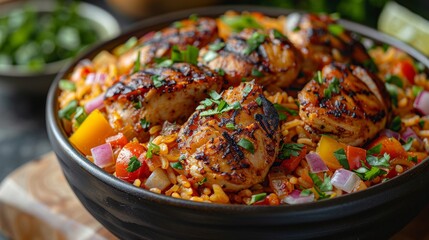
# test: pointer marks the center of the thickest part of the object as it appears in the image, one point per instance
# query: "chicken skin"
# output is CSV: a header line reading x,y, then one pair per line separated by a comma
x,y
270,58
155,95
153,45
346,103
234,141
322,40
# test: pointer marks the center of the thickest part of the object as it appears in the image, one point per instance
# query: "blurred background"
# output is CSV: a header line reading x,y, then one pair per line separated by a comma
x,y
38,37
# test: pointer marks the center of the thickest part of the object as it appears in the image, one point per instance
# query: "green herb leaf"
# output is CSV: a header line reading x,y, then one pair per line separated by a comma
x,y
177,24
323,186
395,80
305,192
335,29
253,42
239,22
422,123
137,63
258,100
209,56
277,34
133,164
408,144
396,124
67,85
383,161
193,17
230,126
247,89
246,144
214,95
385,47
152,149
290,149
369,174
221,72
413,159
416,90
144,123
281,108
202,181
158,81
217,46
130,43
257,197
257,73
190,55
166,63
374,150
137,104
68,110
340,155
177,165
419,66
333,87
80,115
393,92
282,116
318,77
370,65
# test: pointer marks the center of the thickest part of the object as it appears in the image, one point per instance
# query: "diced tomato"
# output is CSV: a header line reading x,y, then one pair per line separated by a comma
x,y
292,163
117,141
420,155
407,70
354,156
390,146
130,150
392,173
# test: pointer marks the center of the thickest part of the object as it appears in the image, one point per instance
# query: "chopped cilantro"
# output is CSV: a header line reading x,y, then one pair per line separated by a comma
x,y
374,150
258,100
246,144
416,90
137,104
306,192
422,123
369,174
166,63
340,155
408,144
393,92
385,47
67,85
193,17
413,159
152,148
130,43
396,124
68,110
221,72
257,73
214,95
80,115
247,89
177,24
333,87
419,66
239,22
202,181
322,186
133,164
137,63
158,81
382,161
395,80
230,126
177,165
144,123
370,65
217,46
209,56
277,34
288,150
335,29
257,197
253,42
318,77
190,55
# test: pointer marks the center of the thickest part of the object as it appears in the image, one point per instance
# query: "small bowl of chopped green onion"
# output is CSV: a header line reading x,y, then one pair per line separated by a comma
x,y
37,38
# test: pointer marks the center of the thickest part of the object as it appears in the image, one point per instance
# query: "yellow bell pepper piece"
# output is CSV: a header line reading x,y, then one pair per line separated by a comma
x,y
326,148
92,132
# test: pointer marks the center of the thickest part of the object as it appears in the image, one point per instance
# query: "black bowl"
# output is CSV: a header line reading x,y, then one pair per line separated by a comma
x,y
134,213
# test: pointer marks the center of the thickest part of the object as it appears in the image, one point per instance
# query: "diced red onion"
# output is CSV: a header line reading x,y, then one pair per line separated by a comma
x,y
95,103
316,163
158,179
295,198
345,180
93,78
390,134
103,155
422,103
409,133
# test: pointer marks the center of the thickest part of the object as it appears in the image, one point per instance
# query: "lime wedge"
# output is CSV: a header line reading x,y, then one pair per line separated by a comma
x,y
405,25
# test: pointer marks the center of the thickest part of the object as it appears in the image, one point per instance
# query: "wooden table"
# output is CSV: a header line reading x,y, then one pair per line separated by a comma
x,y
37,203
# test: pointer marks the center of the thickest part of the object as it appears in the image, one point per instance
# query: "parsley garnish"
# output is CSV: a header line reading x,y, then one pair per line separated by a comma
x,y
177,165
382,161
144,123
202,181
369,174
253,42
396,124
247,89
222,106
277,34
416,90
217,46
68,110
190,55
258,100
133,164
67,85
209,56
221,72
322,186
340,155
214,95
281,111
395,80
158,81
318,77
334,87
370,65
130,43
152,149
257,197
421,123
230,126
393,92
374,150
408,144
137,104
239,22
137,63
290,149
412,159
335,29
257,73
246,144
80,115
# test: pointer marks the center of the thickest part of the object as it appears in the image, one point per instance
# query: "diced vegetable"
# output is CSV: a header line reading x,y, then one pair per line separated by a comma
x,y
91,133
419,155
294,159
354,156
422,103
390,134
315,163
296,198
326,148
125,168
390,146
345,180
407,70
117,141
158,179
257,197
95,103
103,155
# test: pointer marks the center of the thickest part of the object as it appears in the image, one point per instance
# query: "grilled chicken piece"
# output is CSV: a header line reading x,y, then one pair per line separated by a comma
x,y
269,59
322,40
351,105
213,145
158,44
157,95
